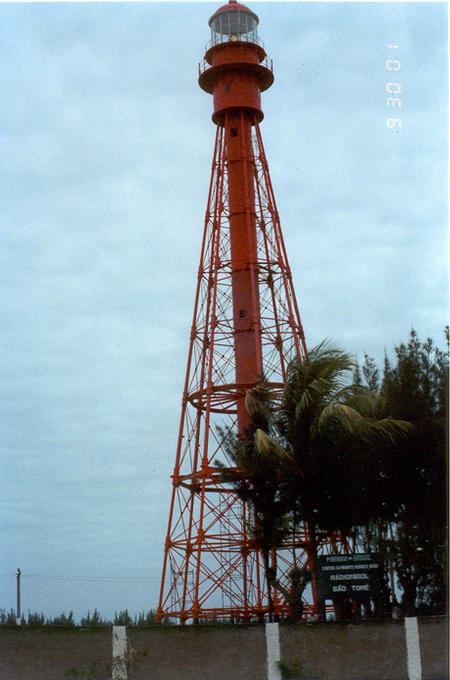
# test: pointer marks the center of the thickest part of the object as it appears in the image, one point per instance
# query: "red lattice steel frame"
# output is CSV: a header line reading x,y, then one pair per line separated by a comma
x,y
246,323
209,556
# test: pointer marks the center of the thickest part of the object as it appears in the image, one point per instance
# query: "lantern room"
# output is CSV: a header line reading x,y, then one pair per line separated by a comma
x,y
234,22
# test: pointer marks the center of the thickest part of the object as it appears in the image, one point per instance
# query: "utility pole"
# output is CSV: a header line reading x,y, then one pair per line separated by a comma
x,y
18,598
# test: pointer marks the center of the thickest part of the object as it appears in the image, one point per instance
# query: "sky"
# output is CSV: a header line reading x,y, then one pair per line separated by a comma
x,y
106,147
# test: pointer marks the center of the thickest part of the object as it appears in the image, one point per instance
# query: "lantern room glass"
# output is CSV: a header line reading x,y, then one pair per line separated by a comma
x,y
234,25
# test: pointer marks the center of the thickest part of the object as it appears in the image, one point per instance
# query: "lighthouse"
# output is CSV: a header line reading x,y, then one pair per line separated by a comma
x,y
246,325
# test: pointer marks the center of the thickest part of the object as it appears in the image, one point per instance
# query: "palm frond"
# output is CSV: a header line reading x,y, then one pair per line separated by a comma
x,y
359,398
341,416
258,403
320,373
267,446
330,360
389,429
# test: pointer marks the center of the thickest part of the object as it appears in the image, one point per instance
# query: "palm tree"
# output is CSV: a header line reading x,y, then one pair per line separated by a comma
x,y
334,443
256,476
319,457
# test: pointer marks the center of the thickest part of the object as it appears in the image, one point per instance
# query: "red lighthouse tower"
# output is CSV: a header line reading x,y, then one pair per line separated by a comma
x,y
245,324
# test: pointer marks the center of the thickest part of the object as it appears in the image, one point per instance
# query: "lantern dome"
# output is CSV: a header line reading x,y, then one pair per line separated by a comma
x,y
233,22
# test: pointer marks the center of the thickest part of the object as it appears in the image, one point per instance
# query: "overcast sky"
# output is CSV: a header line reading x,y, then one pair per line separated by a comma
x,y
106,148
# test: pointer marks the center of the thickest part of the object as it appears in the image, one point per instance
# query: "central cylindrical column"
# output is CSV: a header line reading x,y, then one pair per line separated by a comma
x,y
235,71
244,254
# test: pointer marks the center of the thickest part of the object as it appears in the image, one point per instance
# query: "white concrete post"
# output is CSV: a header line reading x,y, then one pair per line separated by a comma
x,y
273,651
413,648
119,653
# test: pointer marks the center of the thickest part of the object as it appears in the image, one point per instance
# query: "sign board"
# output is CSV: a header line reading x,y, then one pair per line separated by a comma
x,y
357,576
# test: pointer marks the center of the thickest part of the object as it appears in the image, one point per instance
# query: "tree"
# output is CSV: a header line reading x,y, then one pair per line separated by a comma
x,y
256,476
336,447
371,374
322,457
415,387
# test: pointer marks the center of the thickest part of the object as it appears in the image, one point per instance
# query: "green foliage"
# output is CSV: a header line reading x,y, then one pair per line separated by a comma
x,y
371,374
413,540
339,447
256,476
122,618
357,380
353,458
145,618
36,619
321,457
94,621
415,387
7,618
62,620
